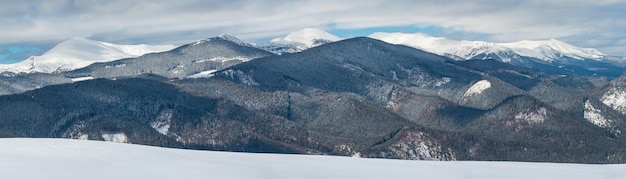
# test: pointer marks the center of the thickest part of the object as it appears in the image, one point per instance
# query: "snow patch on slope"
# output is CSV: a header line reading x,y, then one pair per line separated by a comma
x,y
178,69
347,149
442,81
534,117
243,77
82,78
478,88
616,99
522,120
594,116
420,146
115,66
118,137
222,59
163,122
76,132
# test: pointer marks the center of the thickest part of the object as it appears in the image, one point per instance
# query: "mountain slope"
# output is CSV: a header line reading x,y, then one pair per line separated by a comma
x,y
487,99
80,52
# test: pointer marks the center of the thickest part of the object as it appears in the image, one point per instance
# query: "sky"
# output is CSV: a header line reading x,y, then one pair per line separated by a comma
x,y
30,27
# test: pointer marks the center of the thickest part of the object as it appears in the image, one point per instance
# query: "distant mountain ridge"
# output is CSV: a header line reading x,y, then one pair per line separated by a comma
x,y
554,55
547,50
547,55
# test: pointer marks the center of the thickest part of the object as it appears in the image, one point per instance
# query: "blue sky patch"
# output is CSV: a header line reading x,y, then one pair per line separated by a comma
x,y
11,53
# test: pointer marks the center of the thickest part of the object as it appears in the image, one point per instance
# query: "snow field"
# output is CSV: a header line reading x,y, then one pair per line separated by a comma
x,y
65,158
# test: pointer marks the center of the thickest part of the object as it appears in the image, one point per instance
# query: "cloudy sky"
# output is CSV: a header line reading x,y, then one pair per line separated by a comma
x,y
32,26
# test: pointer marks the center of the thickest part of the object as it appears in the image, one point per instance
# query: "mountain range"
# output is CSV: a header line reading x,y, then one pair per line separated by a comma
x,y
549,55
354,97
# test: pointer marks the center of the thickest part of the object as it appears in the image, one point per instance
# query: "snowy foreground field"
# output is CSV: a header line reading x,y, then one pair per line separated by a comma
x,y
61,158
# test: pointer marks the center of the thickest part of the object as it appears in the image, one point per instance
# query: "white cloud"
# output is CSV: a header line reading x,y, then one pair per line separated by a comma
x,y
186,20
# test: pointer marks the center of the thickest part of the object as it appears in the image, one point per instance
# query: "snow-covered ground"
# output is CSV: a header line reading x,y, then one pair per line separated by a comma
x,y
65,158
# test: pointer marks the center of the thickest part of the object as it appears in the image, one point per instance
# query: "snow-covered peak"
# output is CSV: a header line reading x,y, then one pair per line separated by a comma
x,y
308,36
226,37
80,52
299,41
232,38
86,48
551,49
418,40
